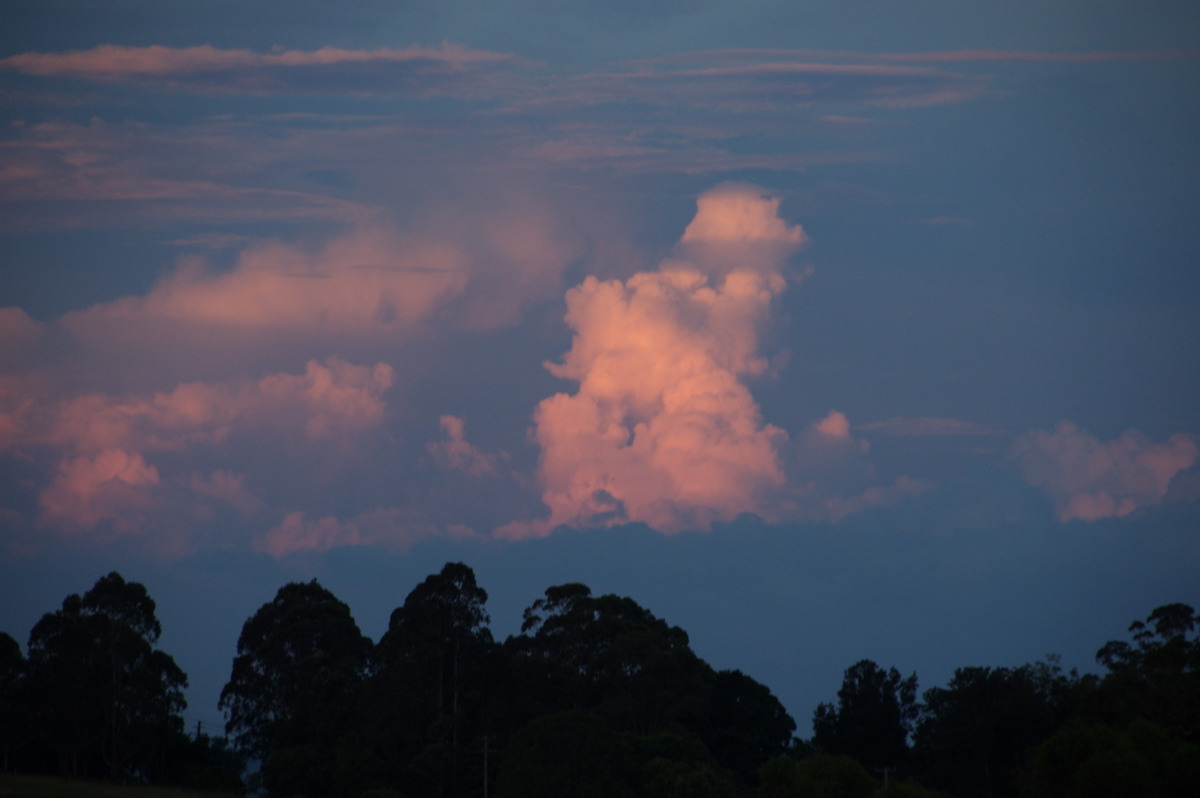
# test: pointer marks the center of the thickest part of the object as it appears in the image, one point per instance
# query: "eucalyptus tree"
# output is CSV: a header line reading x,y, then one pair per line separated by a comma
x,y
434,668
100,683
294,694
873,717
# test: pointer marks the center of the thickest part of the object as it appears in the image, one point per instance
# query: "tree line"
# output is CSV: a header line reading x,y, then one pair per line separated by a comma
x,y
595,696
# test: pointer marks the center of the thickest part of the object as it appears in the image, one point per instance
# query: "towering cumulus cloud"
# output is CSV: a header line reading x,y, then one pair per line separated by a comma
x,y
662,430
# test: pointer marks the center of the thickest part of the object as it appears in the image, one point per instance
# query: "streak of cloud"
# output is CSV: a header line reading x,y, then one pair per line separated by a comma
x,y
207,68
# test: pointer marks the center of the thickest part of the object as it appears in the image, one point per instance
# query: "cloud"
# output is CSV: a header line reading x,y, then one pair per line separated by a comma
x,y
456,453
1089,479
298,533
748,80
1036,55
329,399
662,429
476,270
390,527
104,477
834,425
114,485
329,69
364,280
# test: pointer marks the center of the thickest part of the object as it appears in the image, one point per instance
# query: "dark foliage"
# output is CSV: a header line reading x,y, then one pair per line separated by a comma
x,y
595,696
96,696
976,735
293,697
873,717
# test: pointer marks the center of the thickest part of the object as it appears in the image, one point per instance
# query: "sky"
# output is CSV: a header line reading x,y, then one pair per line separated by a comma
x,y
824,330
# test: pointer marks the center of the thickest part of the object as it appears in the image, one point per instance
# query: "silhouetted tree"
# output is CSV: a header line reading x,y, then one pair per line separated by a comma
x,y
12,674
873,717
99,683
430,686
746,724
609,655
293,695
976,735
1157,676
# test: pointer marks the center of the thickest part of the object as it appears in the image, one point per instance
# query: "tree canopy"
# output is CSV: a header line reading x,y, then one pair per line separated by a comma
x,y
595,695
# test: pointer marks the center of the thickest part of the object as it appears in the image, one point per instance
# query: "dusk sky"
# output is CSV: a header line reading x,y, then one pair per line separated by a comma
x,y
824,330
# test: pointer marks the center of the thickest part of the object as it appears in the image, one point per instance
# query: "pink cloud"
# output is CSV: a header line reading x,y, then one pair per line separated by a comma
x,y
328,399
104,476
391,527
834,425
662,430
367,280
372,283
457,453
298,533
1090,479
114,485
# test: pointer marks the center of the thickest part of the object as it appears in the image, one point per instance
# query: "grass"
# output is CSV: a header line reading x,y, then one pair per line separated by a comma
x,y
50,787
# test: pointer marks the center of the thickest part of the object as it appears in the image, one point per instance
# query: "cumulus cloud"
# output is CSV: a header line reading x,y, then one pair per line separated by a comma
x,y
329,398
663,429
1090,479
114,485
104,476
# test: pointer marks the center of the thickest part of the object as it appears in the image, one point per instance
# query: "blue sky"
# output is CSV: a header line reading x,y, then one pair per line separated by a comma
x,y
824,330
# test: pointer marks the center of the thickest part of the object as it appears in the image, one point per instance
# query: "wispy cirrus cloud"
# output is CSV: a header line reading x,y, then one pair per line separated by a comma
x,y
753,80
951,56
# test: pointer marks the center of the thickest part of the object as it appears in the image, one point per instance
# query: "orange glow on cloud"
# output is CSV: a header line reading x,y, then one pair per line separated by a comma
x,y
662,430
113,485
104,476
1090,479
365,280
